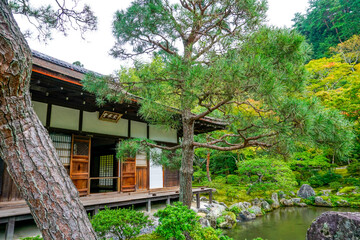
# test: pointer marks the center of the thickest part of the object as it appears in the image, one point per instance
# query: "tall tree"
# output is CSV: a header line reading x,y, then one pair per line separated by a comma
x,y
25,145
327,23
214,58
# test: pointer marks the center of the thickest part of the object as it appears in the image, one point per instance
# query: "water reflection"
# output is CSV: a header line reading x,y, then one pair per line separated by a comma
x,y
281,224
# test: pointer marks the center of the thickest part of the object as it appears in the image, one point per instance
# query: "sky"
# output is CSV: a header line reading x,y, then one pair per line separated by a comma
x,y
93,51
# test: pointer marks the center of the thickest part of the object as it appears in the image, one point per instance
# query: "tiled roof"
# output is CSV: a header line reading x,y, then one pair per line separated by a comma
x,y
62,63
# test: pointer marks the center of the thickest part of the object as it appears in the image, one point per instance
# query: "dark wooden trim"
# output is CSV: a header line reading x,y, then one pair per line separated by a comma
x,y
48,115
81,120
147,131
129,128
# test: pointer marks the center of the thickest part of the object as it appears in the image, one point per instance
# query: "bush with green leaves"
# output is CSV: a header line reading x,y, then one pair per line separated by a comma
x,y
123,223
176,221
354,169
319,180
267,174
233,179
208,233
200,176
335,185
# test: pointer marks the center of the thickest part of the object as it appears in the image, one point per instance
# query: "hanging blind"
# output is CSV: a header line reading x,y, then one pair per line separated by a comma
x,y
141,160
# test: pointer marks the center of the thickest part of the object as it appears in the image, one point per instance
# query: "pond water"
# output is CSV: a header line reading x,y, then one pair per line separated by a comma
x,y
282,224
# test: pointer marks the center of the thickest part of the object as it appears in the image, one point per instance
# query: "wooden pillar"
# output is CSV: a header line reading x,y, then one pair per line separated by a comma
x,y
96,210
168,201
148,206
198,200
210,196
10,226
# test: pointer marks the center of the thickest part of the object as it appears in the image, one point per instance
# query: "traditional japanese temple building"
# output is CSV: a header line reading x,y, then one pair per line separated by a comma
x,y
85,135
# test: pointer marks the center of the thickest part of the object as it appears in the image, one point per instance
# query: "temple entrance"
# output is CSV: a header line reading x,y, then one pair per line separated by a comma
x,y
104,171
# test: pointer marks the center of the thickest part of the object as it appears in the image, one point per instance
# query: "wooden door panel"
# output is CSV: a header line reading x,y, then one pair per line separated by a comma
x,y
128,173
142,178
80,163
171,178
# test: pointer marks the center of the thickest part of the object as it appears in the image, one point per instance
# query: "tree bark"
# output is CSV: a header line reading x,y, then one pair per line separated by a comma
x,y
186,170
208,166
26,147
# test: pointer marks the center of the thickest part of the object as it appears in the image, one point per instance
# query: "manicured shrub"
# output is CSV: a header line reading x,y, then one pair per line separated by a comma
x,y
316,181
123,223
233,179
176,221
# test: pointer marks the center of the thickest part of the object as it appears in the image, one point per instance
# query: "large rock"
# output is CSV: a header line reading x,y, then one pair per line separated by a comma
x,y
204,222
296,200
275,199
286,202
266,206
319,201
228,220
335,226
241,205
256,202
256,210
306,191
215,211
246,216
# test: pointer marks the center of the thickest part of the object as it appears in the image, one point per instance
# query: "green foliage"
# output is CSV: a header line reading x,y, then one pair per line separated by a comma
x,y
123,223
38,237
267,174
327,23
348,189
208,233
354,169
235,209
176,221
352,181
200,176
233,179
335,185
319,179
151,236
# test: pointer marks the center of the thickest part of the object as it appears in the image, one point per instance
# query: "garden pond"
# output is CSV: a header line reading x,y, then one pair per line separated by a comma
x,y
281,224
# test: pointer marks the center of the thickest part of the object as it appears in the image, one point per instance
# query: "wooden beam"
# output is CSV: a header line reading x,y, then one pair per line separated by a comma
x,y
129,128
148,206
197,200
10,227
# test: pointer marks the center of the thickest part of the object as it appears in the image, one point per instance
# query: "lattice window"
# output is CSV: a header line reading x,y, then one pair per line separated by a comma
x,y
62,144
81,148
106,170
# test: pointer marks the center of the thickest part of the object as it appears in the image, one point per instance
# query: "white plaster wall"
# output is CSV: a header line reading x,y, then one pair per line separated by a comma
x,y
66,118
91,123
41,110
138,129
161,133
156,173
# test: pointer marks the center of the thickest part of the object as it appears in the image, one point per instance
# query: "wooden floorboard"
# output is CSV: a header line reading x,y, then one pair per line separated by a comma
x,y
18,208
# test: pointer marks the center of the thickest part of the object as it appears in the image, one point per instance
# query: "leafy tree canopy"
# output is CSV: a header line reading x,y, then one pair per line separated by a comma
x,y
327,23
215,58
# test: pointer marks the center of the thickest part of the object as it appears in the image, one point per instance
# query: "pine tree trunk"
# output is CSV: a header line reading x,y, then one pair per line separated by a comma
x,y
208,166
26,148
186,170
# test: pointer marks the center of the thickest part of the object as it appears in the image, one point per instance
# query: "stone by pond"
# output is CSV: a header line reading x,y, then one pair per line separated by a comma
x,y
289,223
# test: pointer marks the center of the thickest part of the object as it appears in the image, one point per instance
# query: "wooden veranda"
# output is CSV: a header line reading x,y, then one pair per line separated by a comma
x,y
15,211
